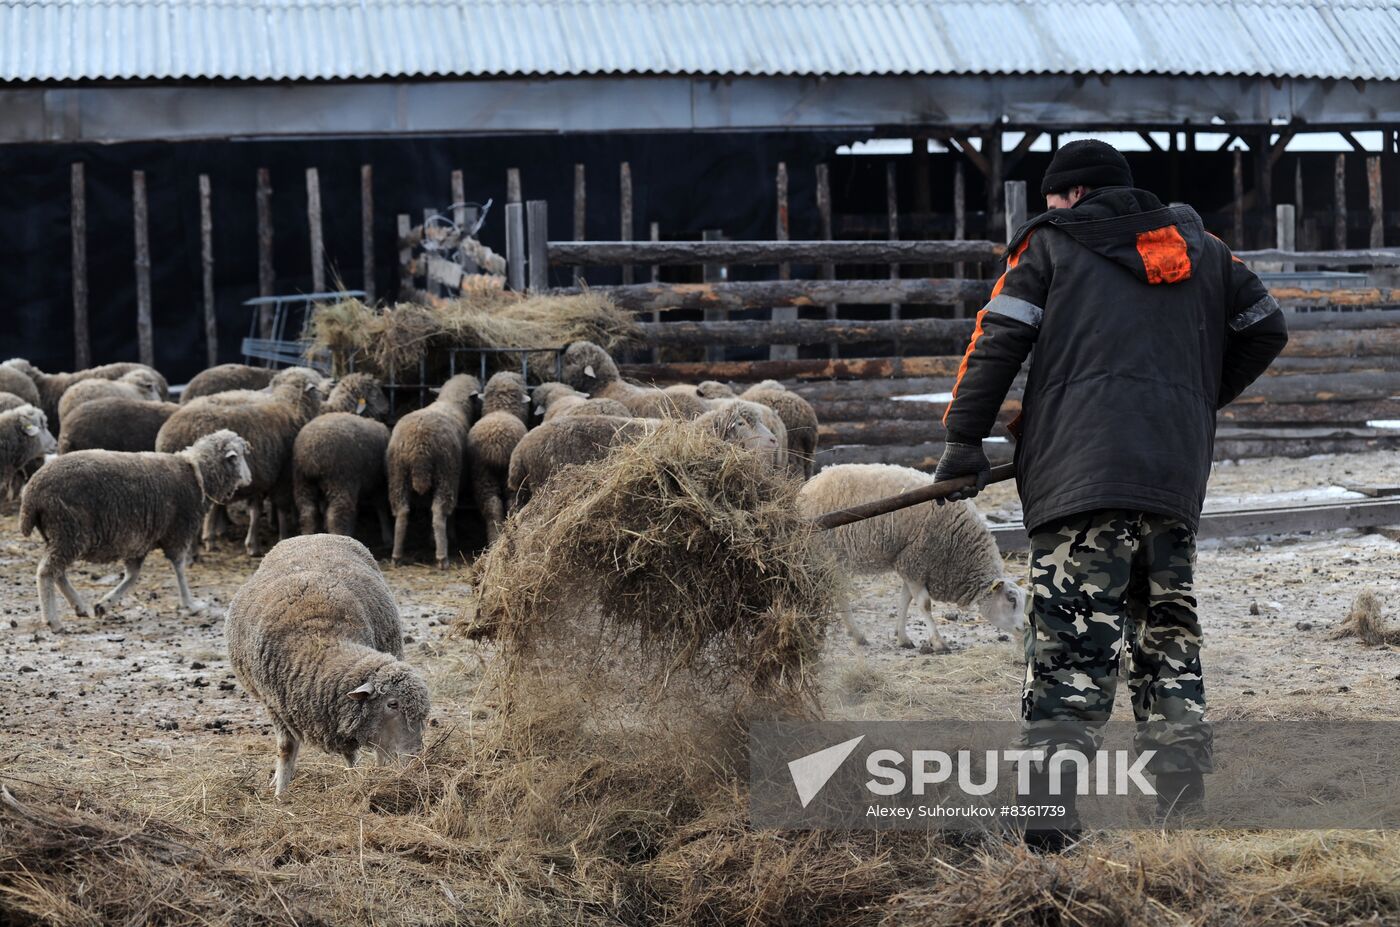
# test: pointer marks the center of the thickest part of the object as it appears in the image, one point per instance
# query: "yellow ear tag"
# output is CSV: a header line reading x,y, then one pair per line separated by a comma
x,y
360,407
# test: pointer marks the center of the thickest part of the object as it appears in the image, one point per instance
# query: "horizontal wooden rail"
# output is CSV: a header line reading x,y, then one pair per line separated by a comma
x,y
607,253
1385,257
659,297
954,332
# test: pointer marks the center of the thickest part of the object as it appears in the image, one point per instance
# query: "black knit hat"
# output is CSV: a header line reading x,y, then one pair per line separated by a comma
x,y
1089,162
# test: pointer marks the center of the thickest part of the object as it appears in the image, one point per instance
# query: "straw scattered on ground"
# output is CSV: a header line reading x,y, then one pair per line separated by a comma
x,y
1366,621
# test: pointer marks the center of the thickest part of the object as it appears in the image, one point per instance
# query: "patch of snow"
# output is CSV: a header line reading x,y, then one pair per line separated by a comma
x,y
1384,423
1290,497
924,397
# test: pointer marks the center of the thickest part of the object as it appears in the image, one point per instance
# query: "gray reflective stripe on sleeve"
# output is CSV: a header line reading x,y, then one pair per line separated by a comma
x,y
1018,309
1255,313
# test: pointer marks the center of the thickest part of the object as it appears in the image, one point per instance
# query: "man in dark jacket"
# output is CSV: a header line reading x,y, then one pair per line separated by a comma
x,y
1143,325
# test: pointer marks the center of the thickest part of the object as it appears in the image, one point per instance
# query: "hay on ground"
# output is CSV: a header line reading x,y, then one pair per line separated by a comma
x,y
395,340
1367,622
681,549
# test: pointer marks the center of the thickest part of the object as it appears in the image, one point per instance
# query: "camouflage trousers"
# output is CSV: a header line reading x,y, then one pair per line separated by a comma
x,y
1111,593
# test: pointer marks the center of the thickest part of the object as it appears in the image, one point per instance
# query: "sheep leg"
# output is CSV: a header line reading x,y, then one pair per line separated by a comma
x,y
60,575
493,514
250,543
400,534
850,623
307,509
130,573
442,511
213,523
350,756
288,746
187,601
935,639
340,514
48,596
906,595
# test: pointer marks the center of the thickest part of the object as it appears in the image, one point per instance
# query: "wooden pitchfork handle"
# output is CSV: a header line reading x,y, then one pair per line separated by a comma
x,y
902,501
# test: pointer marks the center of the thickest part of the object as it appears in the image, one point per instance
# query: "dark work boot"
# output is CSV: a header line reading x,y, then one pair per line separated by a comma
x,y
1050,832
1179,795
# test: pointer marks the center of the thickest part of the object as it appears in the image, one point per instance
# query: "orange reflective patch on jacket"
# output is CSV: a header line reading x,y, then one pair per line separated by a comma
x,y
1163,253
1011,262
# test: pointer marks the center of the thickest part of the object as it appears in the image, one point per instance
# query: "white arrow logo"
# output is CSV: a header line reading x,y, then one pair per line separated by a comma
x,y
812,772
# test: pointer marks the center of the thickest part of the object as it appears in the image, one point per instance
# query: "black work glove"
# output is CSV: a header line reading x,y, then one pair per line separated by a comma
x,y
963,460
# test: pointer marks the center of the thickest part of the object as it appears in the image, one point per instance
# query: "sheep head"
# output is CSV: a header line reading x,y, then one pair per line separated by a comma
x,y
387,711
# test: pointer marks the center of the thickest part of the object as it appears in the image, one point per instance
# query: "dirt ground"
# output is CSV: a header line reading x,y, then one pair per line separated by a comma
x,y
150,688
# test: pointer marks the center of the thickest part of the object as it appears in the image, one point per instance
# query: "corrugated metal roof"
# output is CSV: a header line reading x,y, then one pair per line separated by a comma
x,y
365,39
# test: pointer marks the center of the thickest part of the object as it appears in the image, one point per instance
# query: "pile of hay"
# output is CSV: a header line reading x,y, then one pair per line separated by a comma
x,y
681,550
1366,621
395,340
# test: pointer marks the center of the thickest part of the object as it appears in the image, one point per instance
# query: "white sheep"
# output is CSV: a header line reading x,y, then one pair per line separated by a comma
x,y
315,636
102,506
942,553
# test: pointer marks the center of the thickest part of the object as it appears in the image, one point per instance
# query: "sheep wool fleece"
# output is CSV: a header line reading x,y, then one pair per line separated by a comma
x,y
1099,580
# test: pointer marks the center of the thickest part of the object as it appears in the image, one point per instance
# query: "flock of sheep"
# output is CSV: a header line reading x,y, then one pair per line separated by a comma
x,y
315,633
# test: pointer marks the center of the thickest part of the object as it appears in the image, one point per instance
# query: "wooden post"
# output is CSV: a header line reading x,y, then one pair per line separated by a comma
x,y
991,151
625,226
515,246
512,185
1238,205
1286,231
959,226
145,338
713,273
267,282
1015,207
1373,187
781,233
367,231
313,222
82,341
580,214
1339,200
892,227
537,233
459,201
824,214
430,286
405,227
206,258
655,234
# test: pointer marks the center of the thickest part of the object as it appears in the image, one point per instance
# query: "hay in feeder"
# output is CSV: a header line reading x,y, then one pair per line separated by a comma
x,y
396,340
679,560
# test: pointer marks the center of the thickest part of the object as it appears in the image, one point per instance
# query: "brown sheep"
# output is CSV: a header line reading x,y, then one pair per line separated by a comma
x,y
800,419
338,457
17,382
426,453
588,368
270,423
115,424
51,386
505,405
226,377
138,384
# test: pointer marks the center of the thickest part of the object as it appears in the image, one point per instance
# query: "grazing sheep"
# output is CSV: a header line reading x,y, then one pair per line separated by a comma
x,y
360,394
588,368
269,422
770,419
138,384
104,505
555,399
302,375
51,386
577,439
713,389
115,424
24,438
315,636
505,406
941,552
338,457
17,382
800,419
227,377
426,454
